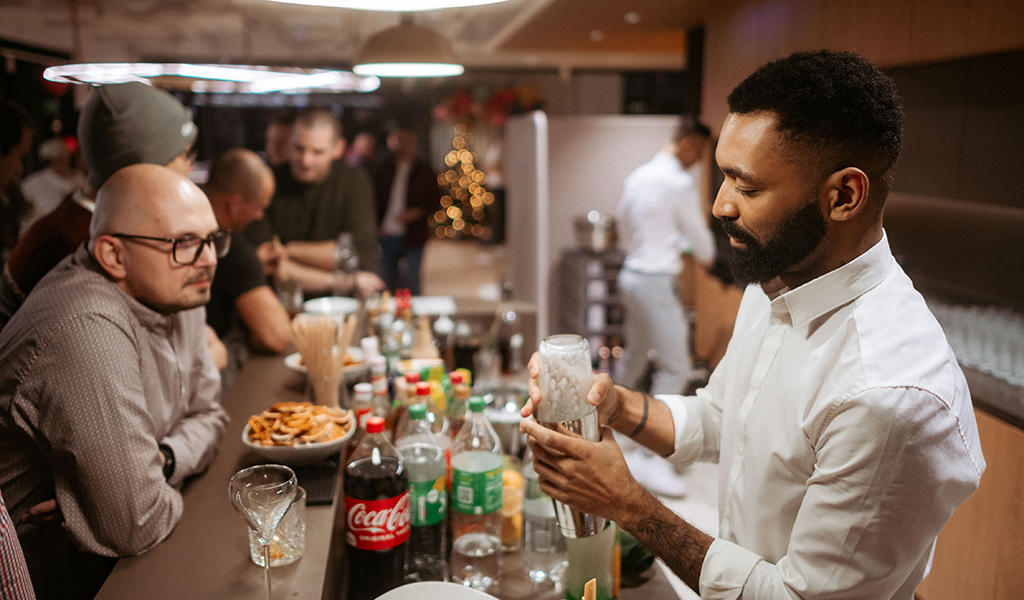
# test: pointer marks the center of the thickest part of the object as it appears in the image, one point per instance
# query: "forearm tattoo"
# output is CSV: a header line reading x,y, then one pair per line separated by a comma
x,y
679,544
643,420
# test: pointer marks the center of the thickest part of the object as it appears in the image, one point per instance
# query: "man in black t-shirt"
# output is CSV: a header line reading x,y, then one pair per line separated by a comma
x,y
240,189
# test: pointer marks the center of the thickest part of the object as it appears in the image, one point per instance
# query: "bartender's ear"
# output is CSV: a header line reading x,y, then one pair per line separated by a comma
x,y
108,252
847,193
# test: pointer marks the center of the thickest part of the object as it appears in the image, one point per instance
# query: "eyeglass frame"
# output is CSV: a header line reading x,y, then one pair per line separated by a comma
x,y
210,240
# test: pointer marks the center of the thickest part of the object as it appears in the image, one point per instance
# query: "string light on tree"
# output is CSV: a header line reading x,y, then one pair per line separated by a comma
x,y
466,207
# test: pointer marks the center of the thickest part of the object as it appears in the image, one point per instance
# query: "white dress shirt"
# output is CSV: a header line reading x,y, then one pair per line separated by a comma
x,y
392,223
846,438
659,216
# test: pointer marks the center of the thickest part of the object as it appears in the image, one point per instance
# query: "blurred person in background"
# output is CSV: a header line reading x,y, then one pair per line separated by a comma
x,y
47,187
660,216
318,198
279,138
240,189
407,195
120,125
15,144
109,399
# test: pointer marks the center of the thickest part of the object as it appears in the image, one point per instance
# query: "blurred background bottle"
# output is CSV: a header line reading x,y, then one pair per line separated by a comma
x,y
544,551
428,498
476,500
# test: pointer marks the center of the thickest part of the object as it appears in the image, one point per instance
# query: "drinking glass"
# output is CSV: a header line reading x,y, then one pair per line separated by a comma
x,y
289,538
262,495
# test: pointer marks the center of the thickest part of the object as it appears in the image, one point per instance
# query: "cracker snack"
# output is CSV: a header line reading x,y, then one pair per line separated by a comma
x,y
297,423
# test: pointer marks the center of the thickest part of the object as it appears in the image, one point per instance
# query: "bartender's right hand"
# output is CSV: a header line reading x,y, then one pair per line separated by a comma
x,y
603,393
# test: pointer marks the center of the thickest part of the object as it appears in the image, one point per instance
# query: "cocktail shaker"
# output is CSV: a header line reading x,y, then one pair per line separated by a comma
x,y
565,378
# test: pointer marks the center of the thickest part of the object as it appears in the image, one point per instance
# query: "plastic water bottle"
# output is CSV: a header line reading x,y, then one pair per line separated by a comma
x,y
476,499
544,552
425,463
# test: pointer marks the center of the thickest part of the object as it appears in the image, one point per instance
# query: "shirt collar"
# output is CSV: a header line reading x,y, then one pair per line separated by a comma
x,y
835,288
149,318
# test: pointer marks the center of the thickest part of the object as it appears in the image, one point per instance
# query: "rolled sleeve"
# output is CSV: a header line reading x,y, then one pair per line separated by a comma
x,y
726,569
697,424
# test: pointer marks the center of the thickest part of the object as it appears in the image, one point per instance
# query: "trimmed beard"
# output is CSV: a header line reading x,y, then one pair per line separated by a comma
x,y
793,241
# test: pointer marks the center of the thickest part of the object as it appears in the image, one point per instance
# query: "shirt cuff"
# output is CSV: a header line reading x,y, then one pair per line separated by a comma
x,y
725,571
689,435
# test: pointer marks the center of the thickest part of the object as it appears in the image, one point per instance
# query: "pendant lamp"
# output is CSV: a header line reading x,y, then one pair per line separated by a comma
x,y
407,50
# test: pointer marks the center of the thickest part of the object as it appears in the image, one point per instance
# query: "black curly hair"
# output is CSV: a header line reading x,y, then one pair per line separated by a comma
x,y
836,108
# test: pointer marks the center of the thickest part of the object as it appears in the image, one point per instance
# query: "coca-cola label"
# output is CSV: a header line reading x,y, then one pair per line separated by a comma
x,y
377,524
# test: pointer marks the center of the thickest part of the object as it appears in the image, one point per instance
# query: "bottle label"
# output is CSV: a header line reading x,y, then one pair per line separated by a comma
x,y
476,492
377,524
429,501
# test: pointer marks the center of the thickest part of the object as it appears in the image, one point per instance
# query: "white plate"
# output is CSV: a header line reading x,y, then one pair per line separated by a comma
x,y
434,590
334,305
351,373
297,455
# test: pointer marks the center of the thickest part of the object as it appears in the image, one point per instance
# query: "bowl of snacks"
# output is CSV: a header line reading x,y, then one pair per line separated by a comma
x,y
298,433
355,364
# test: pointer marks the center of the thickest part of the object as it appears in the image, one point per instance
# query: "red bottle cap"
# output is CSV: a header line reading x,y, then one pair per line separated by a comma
x,y
362,410
423,388
375,425
412,377
455,378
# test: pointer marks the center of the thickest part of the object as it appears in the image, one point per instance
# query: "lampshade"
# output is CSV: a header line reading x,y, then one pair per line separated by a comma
x,y
252,79
407,50
393,5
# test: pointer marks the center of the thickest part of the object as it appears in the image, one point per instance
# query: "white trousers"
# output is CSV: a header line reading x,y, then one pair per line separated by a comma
x,y
654,320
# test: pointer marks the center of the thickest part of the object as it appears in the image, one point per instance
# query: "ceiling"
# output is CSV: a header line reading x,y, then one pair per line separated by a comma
x,y
560,34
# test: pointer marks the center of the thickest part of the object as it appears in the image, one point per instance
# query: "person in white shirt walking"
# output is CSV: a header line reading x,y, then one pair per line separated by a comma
x,y
47,187
660,216
839,416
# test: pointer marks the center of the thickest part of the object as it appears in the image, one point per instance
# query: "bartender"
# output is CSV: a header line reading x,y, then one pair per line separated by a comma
x,y
841,421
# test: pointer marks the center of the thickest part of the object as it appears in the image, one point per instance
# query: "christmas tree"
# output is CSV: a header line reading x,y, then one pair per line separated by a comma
x,y
467,206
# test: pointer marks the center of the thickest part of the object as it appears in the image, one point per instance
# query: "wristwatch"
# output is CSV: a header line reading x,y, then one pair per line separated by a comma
x,y
168,461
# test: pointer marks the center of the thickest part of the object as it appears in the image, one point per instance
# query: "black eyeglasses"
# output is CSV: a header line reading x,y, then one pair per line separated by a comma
x,y
187,250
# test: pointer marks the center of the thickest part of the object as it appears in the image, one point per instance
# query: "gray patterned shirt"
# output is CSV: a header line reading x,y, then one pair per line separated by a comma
x,y
91,381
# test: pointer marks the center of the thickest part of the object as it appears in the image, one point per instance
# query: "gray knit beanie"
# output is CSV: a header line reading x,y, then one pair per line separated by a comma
x,y
129,123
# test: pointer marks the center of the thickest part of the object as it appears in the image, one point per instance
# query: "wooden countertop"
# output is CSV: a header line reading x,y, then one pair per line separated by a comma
x,y
207,555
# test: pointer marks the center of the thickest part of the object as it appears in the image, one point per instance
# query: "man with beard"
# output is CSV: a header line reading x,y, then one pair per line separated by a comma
x,y
108,396
840,418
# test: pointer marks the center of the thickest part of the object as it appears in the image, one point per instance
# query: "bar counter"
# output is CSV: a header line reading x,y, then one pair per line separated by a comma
x,y
207,556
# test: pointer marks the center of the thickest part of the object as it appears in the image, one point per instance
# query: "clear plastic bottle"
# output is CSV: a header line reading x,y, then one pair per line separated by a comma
x,y
428,498
456,409
377,510
544,552
476,499
380,404
435,418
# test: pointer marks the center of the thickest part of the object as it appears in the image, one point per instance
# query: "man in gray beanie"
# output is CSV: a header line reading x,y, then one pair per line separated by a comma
x,y
122,124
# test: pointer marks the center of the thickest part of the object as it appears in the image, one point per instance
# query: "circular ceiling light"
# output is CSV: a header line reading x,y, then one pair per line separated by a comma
x,y
393,5
252,79
407,50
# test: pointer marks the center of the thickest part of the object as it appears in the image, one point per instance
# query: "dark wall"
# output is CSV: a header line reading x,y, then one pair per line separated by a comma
x,y
964,129
955,219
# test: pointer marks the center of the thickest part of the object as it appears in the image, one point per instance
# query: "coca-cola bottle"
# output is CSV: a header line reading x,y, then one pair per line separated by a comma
x,y
377,515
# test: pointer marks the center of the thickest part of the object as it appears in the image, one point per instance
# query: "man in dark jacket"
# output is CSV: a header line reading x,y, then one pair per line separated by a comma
x,y
407,194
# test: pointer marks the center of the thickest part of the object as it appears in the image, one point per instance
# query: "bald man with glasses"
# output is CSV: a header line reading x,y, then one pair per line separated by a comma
x,y
108,397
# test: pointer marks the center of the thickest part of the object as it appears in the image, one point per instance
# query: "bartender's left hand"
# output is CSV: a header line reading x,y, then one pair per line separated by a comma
x,y
591,476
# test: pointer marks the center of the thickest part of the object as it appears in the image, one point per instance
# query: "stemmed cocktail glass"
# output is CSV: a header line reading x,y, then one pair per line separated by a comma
x,y
262,494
